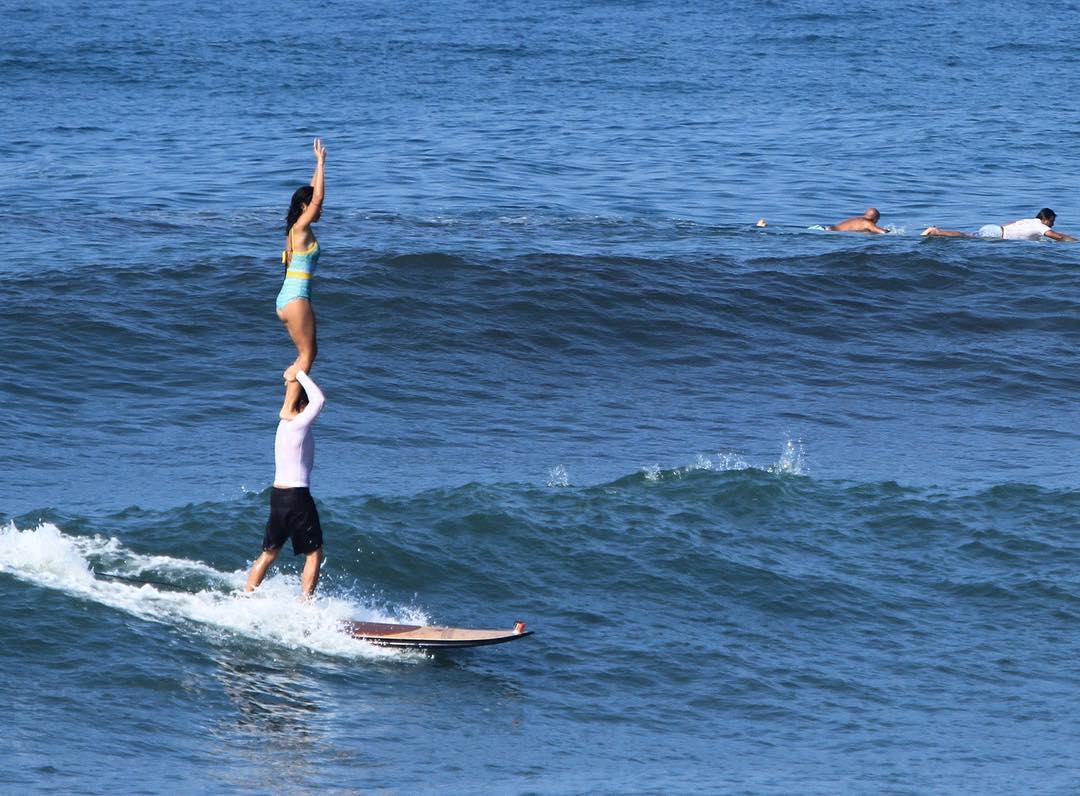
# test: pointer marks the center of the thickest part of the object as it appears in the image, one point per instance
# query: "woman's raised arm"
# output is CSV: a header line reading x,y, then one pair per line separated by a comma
x,y
318,179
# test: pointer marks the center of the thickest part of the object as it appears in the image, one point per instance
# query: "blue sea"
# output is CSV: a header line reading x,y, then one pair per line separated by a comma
x,y
789,511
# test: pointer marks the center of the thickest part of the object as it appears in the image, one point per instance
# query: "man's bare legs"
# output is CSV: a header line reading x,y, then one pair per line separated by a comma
x,y
258,569
310,577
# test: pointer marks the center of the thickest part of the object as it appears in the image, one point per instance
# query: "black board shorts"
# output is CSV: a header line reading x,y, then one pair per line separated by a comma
x,y
293,514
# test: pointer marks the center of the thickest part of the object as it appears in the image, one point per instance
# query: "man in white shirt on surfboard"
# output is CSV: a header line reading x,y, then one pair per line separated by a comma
x,y
1024,229
292,509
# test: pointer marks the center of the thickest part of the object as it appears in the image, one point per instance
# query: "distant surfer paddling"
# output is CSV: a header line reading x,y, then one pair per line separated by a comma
x,y
292,509
1024,229
867,222
301,255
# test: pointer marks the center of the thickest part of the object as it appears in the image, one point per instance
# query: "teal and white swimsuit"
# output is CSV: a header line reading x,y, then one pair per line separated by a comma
x,y
297,284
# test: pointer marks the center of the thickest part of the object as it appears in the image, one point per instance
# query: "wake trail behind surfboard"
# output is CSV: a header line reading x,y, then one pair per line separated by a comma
x,y
203,598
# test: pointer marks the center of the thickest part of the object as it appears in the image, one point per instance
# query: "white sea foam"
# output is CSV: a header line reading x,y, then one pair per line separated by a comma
x,y
722,462
731,461
48,557
558,477
792,462
792,459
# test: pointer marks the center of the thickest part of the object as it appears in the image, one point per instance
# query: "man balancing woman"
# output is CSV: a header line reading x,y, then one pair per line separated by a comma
x,y
292,509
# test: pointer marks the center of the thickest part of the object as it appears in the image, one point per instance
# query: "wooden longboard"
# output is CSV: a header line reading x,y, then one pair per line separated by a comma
x,y
430,637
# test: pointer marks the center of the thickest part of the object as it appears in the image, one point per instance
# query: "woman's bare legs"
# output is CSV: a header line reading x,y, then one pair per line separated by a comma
x,y
299,320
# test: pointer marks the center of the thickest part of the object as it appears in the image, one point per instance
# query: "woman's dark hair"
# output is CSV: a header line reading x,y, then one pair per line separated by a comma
x,y
1047,216
301,196
301,400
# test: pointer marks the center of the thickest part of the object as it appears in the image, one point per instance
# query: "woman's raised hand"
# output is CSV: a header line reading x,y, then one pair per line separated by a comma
x,y
320,150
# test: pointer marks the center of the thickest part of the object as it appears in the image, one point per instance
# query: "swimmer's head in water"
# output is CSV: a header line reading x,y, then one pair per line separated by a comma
x,y
301,198
1047,216
872,215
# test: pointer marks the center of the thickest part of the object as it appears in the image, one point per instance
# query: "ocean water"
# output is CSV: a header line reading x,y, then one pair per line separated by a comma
x,y
788,511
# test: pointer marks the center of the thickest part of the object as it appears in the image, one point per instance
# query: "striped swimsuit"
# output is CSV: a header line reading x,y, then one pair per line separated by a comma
x,y
297,284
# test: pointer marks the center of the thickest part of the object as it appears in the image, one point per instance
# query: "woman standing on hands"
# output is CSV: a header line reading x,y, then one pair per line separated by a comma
x,y
300,257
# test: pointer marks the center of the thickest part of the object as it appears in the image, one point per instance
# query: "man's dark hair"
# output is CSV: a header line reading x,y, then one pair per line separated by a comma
x,y
1047,216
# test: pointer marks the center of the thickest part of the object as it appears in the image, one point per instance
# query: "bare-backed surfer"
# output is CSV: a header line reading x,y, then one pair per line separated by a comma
x,y
1024,229
867,222
292,509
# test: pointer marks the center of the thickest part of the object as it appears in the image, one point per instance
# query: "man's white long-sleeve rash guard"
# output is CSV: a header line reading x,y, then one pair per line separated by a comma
x,y
294,446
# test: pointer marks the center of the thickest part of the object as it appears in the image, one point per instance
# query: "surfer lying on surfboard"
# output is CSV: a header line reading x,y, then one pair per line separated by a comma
x,y
1024,229
867,222
292,509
